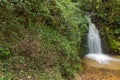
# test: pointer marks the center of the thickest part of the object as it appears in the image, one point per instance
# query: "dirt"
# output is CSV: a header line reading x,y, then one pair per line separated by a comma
x,y
93,73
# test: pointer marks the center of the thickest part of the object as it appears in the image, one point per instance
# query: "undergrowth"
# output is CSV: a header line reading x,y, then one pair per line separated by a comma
x,y
40,35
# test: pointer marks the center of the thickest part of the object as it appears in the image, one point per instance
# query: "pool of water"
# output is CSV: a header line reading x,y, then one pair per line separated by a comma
x,y
112,64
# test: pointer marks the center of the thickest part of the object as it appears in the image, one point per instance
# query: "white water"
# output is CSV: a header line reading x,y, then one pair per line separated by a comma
x,y
94,41
94,44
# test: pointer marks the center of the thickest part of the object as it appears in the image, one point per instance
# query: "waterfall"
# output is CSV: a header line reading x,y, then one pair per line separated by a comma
x,y
94,45
94,41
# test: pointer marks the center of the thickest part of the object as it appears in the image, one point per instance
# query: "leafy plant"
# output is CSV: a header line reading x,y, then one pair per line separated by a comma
x,y
4,51
117,31
3,78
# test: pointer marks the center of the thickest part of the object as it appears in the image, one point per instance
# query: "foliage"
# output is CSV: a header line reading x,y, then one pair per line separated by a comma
x,y
115,45
4,52
46,32
90,5
69,60
3,78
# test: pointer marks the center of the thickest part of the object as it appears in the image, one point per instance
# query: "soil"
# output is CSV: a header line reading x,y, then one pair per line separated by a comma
x,y
94,73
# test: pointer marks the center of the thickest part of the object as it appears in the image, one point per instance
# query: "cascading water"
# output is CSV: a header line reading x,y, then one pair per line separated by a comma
x,y
94,45
94,41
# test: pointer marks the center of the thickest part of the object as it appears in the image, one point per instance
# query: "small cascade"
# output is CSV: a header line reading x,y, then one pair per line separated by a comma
x,y
94,45
94,41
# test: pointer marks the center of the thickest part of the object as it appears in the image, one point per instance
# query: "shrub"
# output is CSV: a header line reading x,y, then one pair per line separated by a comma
x,y
4,51
56,25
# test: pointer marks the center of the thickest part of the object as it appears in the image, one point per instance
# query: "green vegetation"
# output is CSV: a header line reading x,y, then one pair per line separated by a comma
x,y
41,35
4,52
115,45
41,39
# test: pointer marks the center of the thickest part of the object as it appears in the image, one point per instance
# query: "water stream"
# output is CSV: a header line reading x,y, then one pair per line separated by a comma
x,y
94,41
96,55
